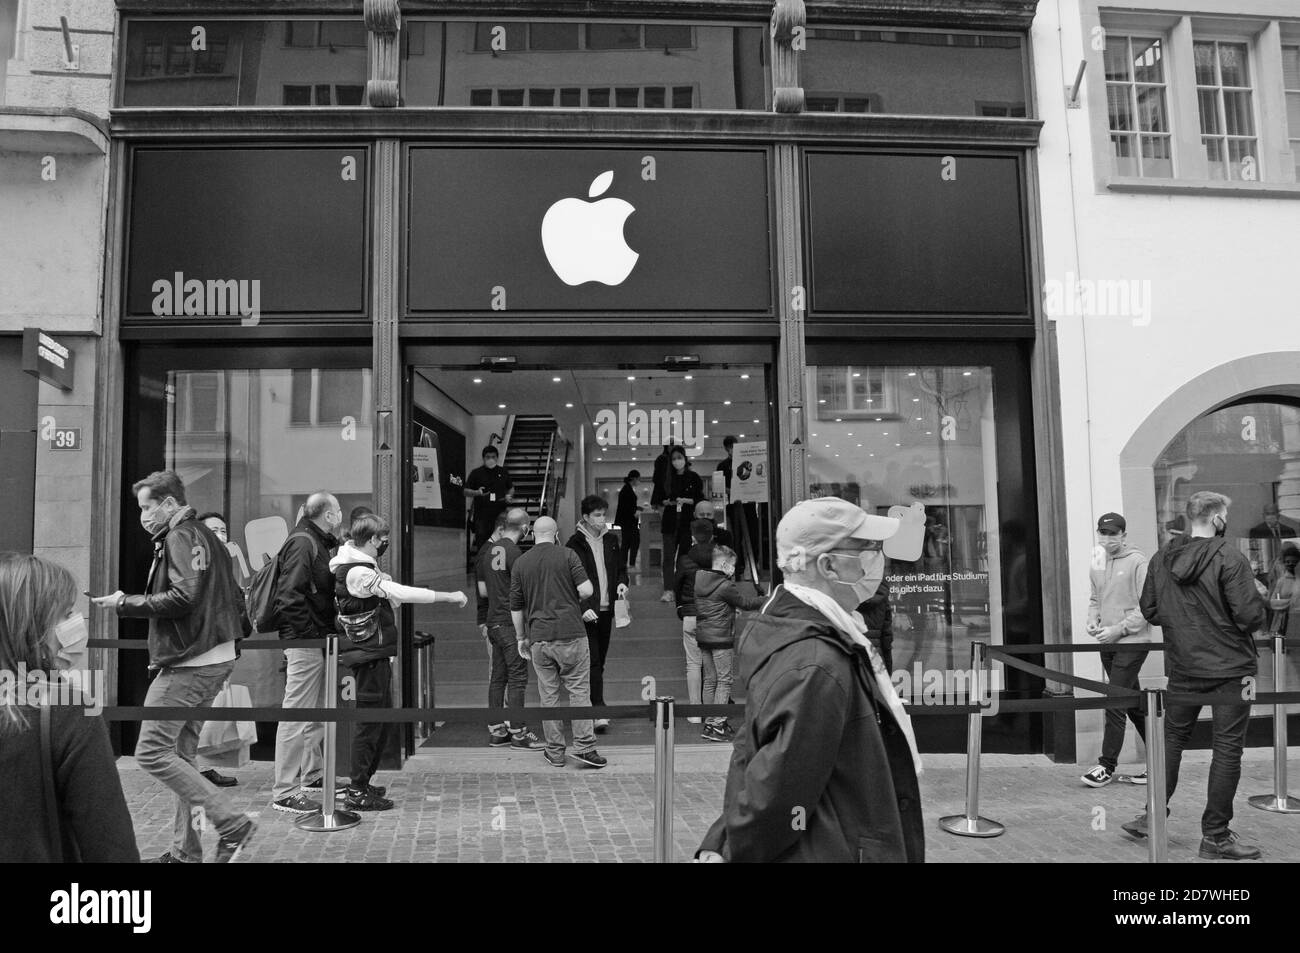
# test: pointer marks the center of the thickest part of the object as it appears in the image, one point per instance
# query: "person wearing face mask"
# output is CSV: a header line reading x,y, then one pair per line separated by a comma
x,y
82,815
366,598
1201,591
1117,576
304,609
603,565
683,488
193,608
826,738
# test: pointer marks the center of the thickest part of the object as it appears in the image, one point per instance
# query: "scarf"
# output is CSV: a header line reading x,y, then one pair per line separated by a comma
x,y
851,624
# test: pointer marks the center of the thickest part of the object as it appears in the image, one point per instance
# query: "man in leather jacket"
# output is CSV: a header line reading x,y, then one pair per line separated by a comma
x,y
193,608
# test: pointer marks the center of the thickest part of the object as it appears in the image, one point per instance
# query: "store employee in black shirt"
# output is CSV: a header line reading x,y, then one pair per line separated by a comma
x,y
489,486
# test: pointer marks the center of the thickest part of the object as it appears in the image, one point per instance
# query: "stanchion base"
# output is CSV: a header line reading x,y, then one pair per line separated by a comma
x,y
1277,805
324,823
964,826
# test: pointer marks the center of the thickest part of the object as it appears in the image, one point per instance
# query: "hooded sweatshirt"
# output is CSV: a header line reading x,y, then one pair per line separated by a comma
x,y
1116,590
1202,592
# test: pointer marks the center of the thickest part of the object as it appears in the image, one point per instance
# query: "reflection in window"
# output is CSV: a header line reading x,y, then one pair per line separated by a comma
x,y
232,437
1248,451
245,63
1139,119
914,72
919,442
324,398
586,65
1291,80
1225,100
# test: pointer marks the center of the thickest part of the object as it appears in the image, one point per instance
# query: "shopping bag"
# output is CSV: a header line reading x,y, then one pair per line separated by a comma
x,y
622,615
220,737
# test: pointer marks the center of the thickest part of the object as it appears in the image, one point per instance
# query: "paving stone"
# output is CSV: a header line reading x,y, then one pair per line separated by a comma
x,y
449,808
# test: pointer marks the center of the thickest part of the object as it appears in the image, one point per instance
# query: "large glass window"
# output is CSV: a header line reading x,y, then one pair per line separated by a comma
x,y
565,430
244,63
624,65
918,442
252,436
1249,451
914,72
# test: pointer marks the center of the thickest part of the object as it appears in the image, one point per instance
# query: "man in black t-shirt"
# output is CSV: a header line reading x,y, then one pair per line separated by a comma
x,y
489,487
509,679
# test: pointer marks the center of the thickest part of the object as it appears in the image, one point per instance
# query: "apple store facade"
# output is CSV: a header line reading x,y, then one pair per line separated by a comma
x,y
353,252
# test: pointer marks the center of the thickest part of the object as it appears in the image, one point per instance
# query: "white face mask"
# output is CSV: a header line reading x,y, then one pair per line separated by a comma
x,y
71,632
872,563
1112,544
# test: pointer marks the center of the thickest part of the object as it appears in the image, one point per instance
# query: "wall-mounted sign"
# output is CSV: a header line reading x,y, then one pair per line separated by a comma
x,y
242,233
46,359
66,438
526,230
916,233
749,473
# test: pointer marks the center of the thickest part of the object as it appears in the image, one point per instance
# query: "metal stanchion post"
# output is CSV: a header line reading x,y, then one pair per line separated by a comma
x,y
1157,819
971,824
1278,802
664,717
330,819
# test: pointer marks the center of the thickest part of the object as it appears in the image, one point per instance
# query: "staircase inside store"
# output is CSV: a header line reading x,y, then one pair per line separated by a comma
x,y
530,459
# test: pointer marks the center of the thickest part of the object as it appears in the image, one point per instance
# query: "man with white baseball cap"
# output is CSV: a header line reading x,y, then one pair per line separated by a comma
x,y
825,767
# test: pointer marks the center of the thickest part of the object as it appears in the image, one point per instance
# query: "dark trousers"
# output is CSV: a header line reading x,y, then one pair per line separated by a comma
x,y
629,546
483,527
509,680
1122,669
369,738
598,644
1229,723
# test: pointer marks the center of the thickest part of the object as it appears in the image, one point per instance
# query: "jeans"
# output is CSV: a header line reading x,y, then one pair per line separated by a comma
x,y
1122,669
629,546
509,681
598,644
299,745
694,664
568,662
717,664
1229,723
369,738
166,750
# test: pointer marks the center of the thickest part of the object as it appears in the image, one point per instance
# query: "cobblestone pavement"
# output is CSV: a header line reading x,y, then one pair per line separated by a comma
x,y
468,805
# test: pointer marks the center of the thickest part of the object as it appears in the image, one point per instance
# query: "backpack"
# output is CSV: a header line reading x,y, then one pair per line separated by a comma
x,y
260,605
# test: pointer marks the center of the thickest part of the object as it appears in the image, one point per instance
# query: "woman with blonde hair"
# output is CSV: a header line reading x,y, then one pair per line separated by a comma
x,y
60,794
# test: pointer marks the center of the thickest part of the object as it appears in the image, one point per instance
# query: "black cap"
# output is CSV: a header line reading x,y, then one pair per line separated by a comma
x,y
1112,521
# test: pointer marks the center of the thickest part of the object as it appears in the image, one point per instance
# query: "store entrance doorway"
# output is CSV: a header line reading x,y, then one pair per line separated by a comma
x,y
566,425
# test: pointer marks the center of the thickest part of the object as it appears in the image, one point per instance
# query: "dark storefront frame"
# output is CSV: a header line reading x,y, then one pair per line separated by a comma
x,y
388,133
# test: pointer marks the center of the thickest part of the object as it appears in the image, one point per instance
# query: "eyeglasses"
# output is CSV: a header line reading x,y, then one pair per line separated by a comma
x,y
868,559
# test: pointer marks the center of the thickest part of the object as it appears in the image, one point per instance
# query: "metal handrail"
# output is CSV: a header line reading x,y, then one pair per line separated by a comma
x,y
546,476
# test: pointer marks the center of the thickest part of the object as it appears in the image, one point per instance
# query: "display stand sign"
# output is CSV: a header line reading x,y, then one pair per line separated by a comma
x,y
749,475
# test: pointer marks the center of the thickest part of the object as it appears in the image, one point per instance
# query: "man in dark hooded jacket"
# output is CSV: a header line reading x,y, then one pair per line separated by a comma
x,y
825,767
1201,591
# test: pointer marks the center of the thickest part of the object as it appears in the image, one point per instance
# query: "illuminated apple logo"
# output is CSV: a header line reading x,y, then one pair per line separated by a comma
x,y
584,240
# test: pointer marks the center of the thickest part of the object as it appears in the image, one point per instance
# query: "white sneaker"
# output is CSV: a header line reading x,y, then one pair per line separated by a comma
x,y
667,597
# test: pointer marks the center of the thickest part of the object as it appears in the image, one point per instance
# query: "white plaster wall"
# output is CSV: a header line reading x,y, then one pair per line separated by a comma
x,y
1221,273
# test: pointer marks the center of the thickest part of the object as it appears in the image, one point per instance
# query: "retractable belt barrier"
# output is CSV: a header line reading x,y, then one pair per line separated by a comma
x,y
664,710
